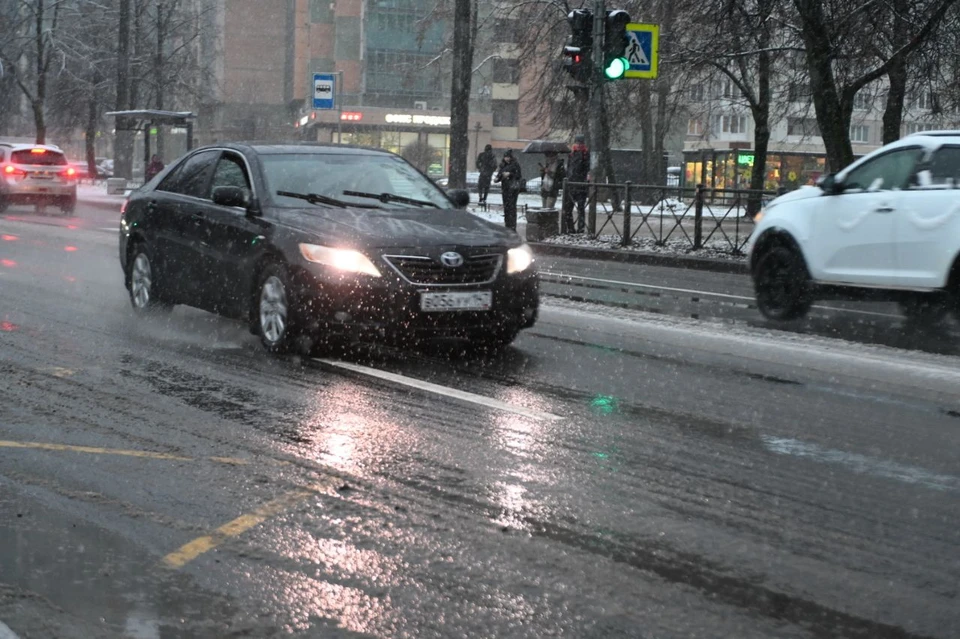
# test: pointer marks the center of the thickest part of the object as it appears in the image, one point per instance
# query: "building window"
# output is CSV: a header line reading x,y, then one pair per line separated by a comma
x,y
320,11
860,133
917,127
806,127
730,123
725,88
797,92
697,92
925,101
862,101
506,71
506,31
695,126
505,112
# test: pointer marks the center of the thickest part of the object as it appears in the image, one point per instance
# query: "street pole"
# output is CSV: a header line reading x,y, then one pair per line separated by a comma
x,y
596,112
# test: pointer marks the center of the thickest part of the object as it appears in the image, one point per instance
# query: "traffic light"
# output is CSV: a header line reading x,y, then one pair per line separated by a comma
x,y
576,55
615,42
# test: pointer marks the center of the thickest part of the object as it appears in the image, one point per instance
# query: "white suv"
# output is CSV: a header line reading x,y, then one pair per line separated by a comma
x,y
887,227
36,174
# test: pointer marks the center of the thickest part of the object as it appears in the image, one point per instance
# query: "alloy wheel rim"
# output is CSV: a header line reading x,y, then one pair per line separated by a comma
x,y
273,309
140,281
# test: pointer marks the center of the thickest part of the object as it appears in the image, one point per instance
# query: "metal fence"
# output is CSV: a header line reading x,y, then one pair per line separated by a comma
x,y
693,218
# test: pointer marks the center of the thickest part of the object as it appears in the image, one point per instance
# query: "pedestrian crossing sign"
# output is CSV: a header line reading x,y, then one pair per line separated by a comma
x,y
643,42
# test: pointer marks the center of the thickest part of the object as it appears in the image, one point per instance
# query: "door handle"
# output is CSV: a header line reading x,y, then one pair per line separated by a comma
x,y
883,209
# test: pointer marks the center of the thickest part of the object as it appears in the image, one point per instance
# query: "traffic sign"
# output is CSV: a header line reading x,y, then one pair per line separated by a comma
x,y
324,91
643,43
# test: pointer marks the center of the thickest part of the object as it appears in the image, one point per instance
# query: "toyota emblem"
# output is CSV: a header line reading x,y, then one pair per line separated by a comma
x,y
451,259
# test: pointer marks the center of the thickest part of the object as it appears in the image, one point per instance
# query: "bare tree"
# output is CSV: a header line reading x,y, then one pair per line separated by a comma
x,y
842,59
29,54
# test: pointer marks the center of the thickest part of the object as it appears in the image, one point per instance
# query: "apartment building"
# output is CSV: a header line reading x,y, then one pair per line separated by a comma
x,y
720,131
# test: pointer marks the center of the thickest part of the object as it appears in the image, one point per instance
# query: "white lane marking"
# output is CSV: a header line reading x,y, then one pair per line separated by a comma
x,y
481,400
112,229
862,464
6,633
689,291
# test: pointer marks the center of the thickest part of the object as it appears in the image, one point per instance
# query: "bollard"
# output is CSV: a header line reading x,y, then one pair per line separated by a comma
x,y
625,240
698,219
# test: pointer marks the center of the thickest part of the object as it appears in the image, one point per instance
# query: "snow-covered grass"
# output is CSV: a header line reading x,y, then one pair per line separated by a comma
x,y
715,248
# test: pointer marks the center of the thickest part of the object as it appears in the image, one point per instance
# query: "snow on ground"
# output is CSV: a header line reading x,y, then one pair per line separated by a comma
x,y
716,248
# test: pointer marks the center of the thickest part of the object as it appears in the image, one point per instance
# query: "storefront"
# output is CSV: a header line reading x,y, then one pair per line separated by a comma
x,y
422,137
733,169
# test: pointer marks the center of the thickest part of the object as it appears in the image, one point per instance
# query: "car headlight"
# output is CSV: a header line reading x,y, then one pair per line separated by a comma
x,y
519,259
759,216
346,260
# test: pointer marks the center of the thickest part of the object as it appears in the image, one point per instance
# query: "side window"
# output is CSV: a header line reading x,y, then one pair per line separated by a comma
x,y
193,176
945,166
885,173
230,171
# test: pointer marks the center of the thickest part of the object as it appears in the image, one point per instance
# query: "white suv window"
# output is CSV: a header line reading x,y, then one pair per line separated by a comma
x,y
945,166
885,173
38,157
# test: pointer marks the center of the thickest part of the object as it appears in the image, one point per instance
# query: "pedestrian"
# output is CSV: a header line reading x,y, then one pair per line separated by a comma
x,y
153,168
486,164
551,179
578,172
511,183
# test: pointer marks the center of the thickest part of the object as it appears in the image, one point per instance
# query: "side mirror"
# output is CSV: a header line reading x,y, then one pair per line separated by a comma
x,y
459,197
829,184
231,196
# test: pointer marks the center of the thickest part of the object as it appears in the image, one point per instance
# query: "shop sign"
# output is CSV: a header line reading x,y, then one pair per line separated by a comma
x,y
428,120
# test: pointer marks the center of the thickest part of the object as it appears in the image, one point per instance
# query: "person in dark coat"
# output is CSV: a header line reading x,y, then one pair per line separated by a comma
x,y
486,164
578,170
551,179
155,166
511,183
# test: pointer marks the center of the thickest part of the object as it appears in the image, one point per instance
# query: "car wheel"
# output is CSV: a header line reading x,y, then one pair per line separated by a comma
x,y
275,310
782,285
4,204
924,309
68,205
142,282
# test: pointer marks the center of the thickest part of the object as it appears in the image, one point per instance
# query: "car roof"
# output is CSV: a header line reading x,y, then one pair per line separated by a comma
x,y
319,148
26,147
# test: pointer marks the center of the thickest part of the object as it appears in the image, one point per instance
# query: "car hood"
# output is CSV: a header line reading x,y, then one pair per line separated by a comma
x,y
803,193
391,228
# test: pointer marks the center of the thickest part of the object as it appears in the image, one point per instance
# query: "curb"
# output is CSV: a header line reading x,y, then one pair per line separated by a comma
x,y
638,257
101,204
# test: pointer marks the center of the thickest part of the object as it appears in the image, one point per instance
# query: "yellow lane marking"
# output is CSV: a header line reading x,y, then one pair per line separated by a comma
x,y
193,549
236,461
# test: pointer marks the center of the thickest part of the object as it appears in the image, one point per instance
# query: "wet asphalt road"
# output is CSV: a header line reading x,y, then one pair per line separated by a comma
x,y
613,474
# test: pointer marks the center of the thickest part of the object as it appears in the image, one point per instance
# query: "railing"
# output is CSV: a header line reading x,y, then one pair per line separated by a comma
x,y
691,218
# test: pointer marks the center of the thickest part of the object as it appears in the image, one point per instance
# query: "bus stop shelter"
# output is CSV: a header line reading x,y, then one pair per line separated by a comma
x,y
144,120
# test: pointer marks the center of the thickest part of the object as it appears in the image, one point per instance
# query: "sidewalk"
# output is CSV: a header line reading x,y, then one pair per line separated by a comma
x,y
96,196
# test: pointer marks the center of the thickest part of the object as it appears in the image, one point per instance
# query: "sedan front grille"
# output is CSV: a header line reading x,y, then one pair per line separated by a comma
x,y
425,271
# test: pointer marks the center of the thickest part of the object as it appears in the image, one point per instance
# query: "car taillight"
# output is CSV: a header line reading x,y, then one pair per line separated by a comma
x,y
70,172
12,171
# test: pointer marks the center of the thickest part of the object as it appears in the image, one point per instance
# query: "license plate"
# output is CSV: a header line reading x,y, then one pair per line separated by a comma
x,y
465,301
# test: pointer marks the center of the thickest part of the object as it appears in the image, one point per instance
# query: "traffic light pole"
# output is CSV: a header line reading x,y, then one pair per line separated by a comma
x,y
596,84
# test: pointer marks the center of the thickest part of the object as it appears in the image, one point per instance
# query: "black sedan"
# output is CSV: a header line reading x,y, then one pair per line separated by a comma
x,y
327,242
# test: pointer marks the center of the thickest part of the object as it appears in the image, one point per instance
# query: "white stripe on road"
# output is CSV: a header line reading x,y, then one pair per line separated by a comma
x,y
112,229
6,633
481,400
689,291
862,464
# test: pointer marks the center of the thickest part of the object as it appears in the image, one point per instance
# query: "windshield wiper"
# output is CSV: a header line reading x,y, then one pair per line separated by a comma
x,y
314,198
390,197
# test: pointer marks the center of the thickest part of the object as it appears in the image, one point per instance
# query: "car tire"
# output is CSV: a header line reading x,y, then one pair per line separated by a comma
x,y
4,204
924,309
275,309
142,283
782,285
68,205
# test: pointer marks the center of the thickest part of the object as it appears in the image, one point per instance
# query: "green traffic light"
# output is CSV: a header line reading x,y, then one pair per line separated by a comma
x,y
616,68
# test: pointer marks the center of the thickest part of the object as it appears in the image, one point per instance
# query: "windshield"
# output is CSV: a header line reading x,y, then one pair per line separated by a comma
x,y
38,157
345,176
